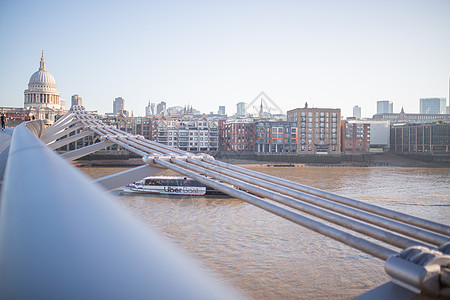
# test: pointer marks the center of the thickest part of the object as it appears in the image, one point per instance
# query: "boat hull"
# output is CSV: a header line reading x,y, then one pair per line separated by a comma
x,y
180,186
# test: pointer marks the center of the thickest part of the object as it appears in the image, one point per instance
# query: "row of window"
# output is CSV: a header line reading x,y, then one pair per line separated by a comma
x,y
193,144
322,114
310,148
277,141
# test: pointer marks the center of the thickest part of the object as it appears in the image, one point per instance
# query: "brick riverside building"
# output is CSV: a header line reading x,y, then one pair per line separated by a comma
x,y
276,136
319,130
355,137
238,135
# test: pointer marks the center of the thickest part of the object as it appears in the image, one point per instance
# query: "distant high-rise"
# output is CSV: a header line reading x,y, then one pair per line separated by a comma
x,y
76,100
148,110
221,110
240,108
432,105
161,108
357,112
385,107
152,108
118,105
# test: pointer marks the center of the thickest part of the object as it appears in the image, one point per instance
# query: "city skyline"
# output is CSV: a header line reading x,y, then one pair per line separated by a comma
x,y
329,54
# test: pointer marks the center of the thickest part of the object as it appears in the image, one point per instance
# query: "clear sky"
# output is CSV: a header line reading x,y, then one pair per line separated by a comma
x,y
333,54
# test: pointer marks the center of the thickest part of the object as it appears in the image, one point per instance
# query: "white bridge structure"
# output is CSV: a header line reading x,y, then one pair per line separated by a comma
x,y
61,236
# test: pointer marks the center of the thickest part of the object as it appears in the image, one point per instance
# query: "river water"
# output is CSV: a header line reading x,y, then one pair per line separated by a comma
x,y
267,257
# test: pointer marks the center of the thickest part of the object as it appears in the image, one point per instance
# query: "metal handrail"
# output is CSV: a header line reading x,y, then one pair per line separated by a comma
x,y
329,231
260,189
61,236
416,221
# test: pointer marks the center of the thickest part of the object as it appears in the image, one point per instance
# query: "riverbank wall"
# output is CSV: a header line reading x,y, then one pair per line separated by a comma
x,y
125,158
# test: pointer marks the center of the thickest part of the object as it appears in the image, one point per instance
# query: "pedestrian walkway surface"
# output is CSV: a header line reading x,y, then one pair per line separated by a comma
x,y
5,140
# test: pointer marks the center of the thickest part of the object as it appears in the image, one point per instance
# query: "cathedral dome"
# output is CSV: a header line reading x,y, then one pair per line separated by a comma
x,y
42,92
42,77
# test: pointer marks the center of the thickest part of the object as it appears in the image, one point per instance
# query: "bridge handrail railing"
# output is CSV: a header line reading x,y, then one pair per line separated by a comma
x,y
62,236
228,178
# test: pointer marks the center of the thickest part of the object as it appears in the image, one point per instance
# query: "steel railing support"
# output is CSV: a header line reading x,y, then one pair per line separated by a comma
x,y
351,211
117,180
62,237
64,122
70,139
78,153
329,231
67,131
243,183
426,224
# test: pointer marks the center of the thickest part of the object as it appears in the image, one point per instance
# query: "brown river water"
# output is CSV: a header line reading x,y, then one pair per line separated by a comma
x,y
267,257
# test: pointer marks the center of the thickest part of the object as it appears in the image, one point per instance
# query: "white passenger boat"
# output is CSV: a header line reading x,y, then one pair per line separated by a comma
x,y
170,185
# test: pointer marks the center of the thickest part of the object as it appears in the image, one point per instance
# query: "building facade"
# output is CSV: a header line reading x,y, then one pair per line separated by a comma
x,y
319,130
76,101
118,105
133,125
403,117
149,110
240,109
238,135
161,108
15,115
357,112
432,105
276,136
355,137
186,133
385,107
421,138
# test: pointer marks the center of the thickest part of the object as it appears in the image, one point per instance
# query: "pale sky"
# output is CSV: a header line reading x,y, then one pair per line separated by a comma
x,y
333,54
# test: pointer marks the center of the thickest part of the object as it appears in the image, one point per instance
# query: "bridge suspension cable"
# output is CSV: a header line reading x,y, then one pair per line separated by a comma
x,y
293,201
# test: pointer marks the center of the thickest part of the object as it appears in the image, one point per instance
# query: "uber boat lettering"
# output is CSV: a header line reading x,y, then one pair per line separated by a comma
x,y
170,185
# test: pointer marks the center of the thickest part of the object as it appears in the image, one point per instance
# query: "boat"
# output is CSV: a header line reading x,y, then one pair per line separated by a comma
x,y
171,185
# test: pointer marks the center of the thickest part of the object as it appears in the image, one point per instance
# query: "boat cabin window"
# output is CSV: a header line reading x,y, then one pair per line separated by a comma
x,y
174,182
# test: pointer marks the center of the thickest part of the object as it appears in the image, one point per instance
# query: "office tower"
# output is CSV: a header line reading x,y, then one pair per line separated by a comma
x,y
240,108
161,108
357,112
221,110
432,105
118,105
152,108
148,110
385,107
76,100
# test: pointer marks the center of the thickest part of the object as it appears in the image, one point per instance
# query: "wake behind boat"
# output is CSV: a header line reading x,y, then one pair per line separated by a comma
x,y
170,185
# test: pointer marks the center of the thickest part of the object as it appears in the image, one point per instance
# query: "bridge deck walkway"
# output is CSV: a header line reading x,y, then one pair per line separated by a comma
x,y
5,141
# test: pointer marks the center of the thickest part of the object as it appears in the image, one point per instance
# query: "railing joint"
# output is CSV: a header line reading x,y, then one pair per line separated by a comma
x,y
421,270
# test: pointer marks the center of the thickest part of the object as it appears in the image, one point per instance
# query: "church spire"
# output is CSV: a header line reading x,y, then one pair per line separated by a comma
x,y
261,111
42,66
